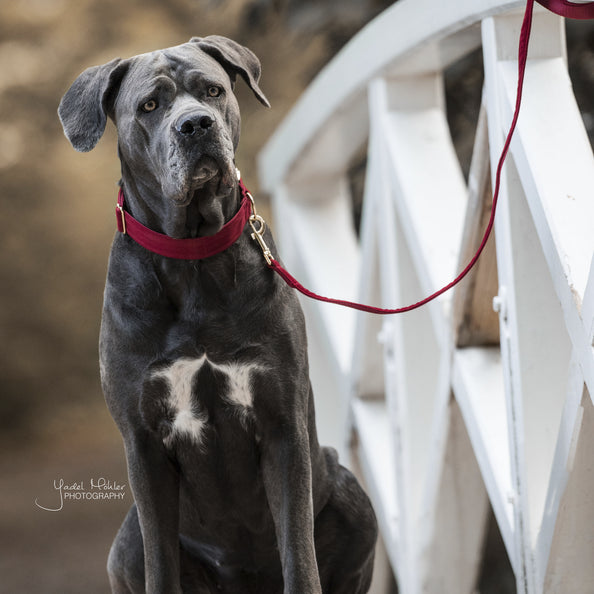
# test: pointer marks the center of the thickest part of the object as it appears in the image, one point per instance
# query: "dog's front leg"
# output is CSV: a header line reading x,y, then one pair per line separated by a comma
x,y
155,485
286,468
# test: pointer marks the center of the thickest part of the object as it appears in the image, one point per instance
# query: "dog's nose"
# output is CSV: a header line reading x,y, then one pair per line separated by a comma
x,y
188,126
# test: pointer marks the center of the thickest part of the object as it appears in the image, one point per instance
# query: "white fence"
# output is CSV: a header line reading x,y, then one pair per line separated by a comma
x,y
450,411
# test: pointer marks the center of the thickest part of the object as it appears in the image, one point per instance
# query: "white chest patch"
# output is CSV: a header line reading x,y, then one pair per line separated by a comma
x,y
240,391
189,420
184,397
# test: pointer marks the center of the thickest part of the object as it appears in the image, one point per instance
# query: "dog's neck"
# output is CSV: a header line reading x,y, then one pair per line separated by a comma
x,y
225,279
210,208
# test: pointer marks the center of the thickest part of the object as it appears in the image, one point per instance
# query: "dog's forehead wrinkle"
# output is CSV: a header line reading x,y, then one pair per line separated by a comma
x,y
142,77
150,66
195,78
186,59
177,69
163,81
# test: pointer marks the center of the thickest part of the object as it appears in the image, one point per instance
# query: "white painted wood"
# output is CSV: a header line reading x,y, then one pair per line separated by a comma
x,y
439,432
573,529
430,193
478,386
327,254
367,364
540,337
376,50
375,453
564,454
459,516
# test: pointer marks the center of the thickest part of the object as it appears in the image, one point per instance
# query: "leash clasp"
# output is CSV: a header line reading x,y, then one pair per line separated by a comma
x,y
258,225
122,218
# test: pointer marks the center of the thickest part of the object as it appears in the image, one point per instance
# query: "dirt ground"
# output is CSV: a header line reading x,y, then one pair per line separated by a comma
x,y
65,551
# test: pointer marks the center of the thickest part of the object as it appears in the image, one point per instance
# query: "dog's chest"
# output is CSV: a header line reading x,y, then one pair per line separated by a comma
x,y
190,398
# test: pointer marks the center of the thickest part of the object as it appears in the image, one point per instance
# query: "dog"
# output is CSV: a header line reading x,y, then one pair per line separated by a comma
x,y
204,361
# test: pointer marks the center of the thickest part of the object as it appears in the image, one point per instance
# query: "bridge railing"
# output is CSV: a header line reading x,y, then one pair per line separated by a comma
x,y
453,410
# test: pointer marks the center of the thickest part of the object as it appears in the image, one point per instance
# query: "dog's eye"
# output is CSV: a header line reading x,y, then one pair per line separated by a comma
x,y
214,91
149,106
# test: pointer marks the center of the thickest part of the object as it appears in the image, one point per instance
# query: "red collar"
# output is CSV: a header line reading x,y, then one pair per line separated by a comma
x,y
185,249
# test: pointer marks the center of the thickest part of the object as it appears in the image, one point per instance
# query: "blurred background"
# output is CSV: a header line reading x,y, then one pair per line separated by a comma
x,y
56,227
57,223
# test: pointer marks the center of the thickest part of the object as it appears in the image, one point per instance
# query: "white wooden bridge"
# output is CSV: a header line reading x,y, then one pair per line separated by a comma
x,y
451,411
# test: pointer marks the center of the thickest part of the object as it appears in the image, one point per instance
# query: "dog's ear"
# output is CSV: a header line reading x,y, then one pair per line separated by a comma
x,y
84,108
236,59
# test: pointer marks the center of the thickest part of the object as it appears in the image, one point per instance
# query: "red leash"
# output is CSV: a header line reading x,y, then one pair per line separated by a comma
x,y
560,7
571,10
204,247
523,53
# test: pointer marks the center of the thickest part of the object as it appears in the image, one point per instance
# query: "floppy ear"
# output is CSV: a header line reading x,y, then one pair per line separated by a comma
x,y
84,108
236,59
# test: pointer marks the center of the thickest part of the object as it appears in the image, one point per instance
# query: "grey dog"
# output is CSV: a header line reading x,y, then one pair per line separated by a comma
x,y
204,362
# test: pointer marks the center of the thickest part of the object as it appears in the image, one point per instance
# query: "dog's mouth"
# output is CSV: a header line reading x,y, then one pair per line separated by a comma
x,y
206,169
199,209
208,172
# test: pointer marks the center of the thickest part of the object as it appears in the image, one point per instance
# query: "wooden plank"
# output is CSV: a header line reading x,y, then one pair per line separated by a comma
x,y
558,177
570,567
325,256
459,516
558,174
477,382
475,322
377,279
562,462
429,189
376,455
531,320
366,374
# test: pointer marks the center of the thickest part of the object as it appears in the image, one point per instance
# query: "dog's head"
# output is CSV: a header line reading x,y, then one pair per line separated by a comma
x,y
176,115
